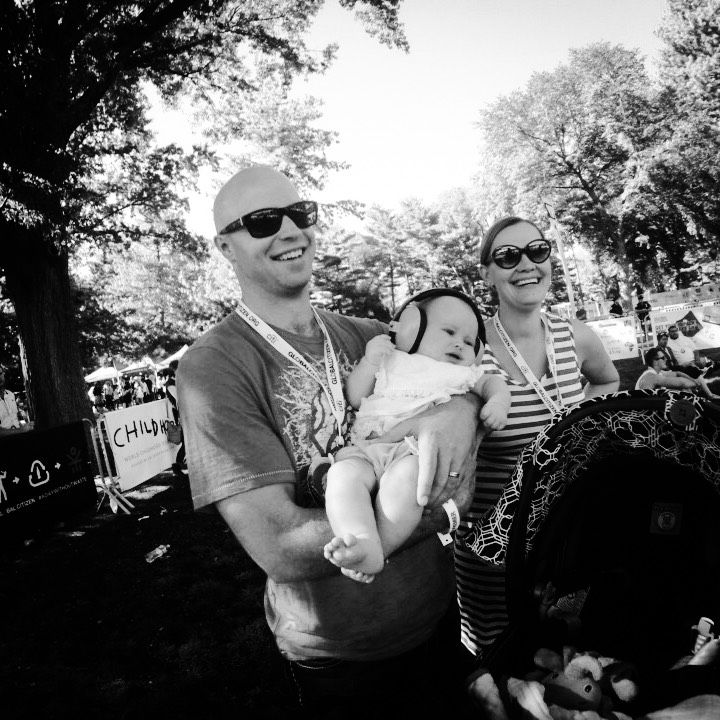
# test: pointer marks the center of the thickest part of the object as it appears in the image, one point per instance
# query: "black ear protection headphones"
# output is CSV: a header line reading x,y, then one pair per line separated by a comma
x,y
408,326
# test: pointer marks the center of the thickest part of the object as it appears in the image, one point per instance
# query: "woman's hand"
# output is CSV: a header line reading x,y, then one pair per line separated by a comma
x,y
447,442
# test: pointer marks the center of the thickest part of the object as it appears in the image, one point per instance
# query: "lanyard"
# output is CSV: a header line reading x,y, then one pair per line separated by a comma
x,y
331,384
525,368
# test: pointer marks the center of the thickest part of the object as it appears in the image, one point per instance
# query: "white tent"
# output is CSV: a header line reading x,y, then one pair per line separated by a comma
x,y
175,356
143,365
101,374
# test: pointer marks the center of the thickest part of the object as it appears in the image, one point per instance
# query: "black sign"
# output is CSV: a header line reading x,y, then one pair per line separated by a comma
x,y
45,476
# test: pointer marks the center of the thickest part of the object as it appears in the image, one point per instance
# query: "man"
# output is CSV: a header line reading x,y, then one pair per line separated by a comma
x,y
684,352
658,375
179,467
642,311
262,408
616,308
9,419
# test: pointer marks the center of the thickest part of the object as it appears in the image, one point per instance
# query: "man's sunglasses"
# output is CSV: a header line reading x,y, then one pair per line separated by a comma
x,y
508,256
267,221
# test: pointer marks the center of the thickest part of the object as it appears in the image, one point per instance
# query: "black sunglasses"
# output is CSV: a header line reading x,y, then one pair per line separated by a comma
x,y
267,221
508,256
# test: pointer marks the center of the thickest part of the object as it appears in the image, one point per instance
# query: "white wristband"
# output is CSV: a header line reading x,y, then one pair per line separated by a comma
x,y
453,514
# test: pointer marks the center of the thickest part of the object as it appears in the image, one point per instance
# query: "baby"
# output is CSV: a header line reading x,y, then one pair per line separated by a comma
x,y
389,385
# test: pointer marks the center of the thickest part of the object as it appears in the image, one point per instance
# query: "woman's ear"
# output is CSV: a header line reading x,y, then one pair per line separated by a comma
x,y
484,275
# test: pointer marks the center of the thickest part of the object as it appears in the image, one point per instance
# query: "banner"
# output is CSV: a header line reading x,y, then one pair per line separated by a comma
x,y
697,294
700,323
138,439
45,476
617,336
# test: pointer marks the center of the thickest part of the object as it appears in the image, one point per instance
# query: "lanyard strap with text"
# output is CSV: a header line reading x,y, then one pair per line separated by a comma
x,y
331,384
525,368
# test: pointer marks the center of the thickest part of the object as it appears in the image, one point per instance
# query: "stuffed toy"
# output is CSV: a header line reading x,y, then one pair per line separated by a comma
x,y
588,686
571,686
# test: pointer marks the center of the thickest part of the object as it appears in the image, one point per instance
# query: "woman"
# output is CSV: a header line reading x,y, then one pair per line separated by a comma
x,y
541,357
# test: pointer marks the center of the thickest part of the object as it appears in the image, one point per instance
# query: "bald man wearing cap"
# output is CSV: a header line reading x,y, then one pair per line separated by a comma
x,y
262,405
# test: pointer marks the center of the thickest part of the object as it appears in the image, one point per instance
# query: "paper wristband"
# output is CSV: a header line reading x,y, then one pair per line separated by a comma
x,y
453,514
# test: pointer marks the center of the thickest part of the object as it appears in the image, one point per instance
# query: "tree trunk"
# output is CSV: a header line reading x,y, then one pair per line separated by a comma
x,y
38,284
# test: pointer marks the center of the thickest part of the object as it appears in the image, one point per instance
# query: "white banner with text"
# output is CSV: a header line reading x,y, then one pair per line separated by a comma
x,y
700,323
617,336
138,438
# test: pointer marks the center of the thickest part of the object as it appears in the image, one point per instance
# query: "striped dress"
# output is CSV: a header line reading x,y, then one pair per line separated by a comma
x,y
481,587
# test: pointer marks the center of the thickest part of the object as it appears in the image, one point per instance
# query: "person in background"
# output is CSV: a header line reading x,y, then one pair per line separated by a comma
x,y
616,309
658,375
642,311
179,466
138,391
262,406
684,352
9,419
542,358
108,395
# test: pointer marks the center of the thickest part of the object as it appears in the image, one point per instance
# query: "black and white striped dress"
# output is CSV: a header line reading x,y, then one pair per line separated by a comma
x,y
481,587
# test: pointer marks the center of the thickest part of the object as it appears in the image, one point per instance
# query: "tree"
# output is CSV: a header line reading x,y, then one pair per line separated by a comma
x,y
691,60
575,137
72,72
685,169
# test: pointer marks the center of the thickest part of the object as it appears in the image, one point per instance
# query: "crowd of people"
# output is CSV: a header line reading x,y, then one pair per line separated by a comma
x,y
124,391
676,363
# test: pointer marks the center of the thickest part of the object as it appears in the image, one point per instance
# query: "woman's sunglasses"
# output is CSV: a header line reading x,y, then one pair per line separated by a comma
x,y
267,221
508,256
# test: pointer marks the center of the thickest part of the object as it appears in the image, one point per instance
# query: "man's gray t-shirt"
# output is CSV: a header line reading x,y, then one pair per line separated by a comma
x,y
252,418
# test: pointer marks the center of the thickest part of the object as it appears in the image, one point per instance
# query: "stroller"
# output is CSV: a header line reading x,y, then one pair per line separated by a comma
x,y
610,533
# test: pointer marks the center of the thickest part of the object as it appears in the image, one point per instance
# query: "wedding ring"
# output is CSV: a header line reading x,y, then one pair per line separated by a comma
x,y
453,474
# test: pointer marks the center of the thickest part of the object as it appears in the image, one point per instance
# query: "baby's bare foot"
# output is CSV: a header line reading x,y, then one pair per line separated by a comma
x,y
359,554
357,575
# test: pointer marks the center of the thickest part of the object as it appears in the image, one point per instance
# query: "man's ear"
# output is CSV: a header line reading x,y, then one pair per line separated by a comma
x,y
223,245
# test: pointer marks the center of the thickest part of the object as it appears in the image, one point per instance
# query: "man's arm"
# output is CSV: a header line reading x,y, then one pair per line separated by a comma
x,y
595,363
285,540
669,380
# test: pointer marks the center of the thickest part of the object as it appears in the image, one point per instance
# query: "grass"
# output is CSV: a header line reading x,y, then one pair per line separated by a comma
x,y
90,630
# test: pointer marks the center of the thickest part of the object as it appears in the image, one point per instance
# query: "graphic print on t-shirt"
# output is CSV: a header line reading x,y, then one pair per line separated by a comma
x,y
310,426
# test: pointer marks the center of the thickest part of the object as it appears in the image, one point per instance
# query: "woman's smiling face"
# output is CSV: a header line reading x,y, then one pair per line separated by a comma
x,y
527,283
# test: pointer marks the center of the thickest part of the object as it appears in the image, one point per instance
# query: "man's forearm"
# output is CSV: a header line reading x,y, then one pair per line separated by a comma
x,y
286,544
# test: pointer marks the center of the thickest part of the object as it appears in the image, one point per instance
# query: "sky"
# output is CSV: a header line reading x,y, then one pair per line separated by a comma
x,y
405,121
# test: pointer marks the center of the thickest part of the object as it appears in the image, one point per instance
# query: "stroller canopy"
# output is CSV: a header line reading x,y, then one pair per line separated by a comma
x,y
615,509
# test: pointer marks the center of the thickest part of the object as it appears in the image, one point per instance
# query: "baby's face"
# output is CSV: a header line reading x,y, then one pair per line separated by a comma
x,y
450,333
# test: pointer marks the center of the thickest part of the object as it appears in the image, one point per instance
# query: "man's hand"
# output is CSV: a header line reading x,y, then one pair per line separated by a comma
x,y
447,442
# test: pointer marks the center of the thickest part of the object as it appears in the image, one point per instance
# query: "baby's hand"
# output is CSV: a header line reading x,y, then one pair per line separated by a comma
x,y
377,349
493,415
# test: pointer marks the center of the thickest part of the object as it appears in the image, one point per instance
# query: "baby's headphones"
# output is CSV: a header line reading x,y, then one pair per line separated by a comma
x,y
408,326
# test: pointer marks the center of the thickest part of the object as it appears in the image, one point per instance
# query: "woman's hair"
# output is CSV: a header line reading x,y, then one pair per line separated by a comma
x,y
493,231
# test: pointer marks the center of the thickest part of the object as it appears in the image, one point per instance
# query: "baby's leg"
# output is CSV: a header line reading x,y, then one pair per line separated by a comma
x,y
396,508
348,503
